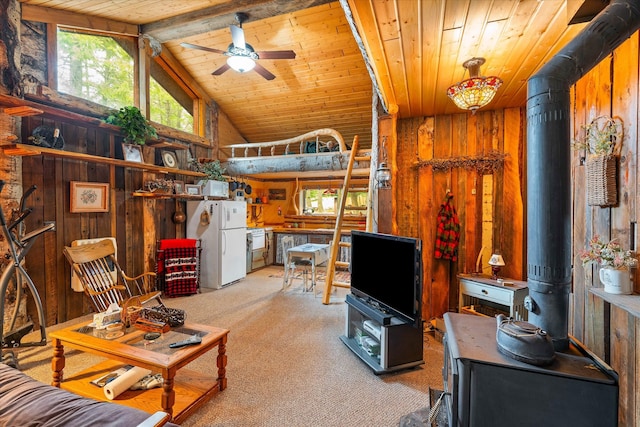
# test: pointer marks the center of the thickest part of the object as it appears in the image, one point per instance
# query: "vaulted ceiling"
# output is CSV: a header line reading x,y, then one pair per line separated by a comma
x,y
415,50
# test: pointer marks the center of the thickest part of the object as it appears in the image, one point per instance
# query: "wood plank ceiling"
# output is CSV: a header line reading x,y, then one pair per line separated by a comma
x,y
415,49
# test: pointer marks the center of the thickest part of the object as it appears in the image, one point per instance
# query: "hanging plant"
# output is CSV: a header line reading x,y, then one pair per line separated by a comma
x,y
603,136
134,125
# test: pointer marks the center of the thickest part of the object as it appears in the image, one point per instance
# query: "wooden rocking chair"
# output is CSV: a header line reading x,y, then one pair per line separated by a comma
x,y
103,280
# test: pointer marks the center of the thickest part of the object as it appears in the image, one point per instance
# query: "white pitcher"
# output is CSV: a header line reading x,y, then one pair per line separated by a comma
x,y
616,281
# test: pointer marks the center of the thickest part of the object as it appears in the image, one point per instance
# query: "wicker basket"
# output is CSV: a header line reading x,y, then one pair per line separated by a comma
x,y
602,177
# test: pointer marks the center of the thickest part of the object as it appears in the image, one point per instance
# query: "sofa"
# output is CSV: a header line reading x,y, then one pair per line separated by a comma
x,y
27,402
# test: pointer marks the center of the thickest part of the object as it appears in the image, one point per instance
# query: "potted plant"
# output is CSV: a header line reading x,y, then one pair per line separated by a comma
x,y
213,169
135,126
615,263
215,183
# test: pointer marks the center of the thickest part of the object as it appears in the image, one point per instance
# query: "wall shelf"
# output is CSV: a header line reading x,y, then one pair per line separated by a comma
x,y
33,150
185,197
38,104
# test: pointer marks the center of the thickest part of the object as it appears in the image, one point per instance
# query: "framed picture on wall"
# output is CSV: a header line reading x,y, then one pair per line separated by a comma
x,y
89,197
132,153
278,193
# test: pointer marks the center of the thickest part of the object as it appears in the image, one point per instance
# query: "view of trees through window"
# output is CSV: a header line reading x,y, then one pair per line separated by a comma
x,y
166,110
99,68
325,201
95,68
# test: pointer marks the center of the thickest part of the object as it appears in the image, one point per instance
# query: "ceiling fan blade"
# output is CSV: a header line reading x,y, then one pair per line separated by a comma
x,y
277,54
206,49
221,70
263,72
237,35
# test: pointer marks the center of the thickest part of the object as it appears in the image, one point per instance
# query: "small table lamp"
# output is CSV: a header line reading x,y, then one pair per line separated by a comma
x,y
496,262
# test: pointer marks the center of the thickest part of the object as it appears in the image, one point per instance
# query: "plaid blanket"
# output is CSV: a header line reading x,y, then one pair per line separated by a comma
x,y
180,271
448,231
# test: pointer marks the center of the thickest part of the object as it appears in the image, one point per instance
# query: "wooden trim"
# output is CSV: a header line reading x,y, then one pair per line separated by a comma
x,y
39,102
71,19
33,150
52,56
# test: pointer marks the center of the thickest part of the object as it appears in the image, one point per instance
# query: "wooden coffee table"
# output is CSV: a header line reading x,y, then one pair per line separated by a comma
x,y
183,391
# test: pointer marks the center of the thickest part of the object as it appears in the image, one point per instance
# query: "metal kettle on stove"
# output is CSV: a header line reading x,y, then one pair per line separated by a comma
x,y
524,341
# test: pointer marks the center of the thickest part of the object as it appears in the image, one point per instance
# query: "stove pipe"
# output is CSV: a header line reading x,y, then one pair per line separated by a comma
x,y
549,164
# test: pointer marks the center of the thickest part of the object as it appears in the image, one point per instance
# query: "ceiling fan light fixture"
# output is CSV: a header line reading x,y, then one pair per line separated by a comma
x,y
241,64
476,91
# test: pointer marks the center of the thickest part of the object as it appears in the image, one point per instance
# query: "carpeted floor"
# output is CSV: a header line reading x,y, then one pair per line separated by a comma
x,y
340,276
286,364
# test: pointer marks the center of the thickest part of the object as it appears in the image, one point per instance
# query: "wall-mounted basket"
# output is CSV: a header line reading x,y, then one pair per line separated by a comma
x,y
602,180
602,142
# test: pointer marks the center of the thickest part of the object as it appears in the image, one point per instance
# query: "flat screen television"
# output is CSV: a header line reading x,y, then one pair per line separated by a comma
x,y
386,271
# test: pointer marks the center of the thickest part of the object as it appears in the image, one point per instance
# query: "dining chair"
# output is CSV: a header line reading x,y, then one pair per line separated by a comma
x,y
294,267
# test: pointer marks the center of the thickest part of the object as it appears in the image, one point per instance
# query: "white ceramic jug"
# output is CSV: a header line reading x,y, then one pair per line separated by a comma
x,y
616,281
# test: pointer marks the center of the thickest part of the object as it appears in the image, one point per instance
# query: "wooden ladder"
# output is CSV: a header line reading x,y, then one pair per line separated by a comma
x,y
336,244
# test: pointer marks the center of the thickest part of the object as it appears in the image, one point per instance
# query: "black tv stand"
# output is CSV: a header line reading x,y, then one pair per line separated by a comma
x,y
383,341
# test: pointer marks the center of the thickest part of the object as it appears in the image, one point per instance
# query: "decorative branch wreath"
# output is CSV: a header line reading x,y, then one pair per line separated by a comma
x,y
484,165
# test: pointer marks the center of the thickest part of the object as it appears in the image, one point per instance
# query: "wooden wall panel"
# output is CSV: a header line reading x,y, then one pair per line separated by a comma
x,y
441,269
597,102
623,360
470,207
406,183
443,138
51,202
511,234
612,89
426,209
624,101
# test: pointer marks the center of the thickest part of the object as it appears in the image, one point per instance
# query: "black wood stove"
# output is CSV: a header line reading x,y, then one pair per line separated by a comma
x,y
486,388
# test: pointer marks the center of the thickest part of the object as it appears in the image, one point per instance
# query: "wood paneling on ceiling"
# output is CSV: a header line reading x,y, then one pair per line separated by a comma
x,y
415,48
418,47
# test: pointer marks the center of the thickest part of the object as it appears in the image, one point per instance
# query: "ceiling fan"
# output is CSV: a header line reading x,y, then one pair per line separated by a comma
x,y
242,56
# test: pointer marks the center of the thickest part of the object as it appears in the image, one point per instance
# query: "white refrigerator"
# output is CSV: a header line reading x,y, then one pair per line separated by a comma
x,y
222,227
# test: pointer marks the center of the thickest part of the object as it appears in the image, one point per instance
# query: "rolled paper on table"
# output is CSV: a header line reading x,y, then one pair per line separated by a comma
x,y
124,381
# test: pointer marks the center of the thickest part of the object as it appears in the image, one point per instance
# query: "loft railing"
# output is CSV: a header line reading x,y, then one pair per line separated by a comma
x,y
311,142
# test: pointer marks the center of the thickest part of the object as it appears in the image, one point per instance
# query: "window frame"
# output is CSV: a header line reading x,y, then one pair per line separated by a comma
x,y
338,195
164,61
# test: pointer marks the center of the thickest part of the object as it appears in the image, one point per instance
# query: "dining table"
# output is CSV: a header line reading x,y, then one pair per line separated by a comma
x,y
316,253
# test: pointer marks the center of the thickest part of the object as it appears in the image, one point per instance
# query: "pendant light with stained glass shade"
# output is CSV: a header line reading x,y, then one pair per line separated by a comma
x,y
476,91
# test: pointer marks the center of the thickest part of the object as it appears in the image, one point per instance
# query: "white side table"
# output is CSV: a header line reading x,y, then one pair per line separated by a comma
x,y
483,295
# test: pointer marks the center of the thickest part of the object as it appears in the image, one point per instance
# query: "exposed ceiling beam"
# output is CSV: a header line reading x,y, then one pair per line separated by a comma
x,y
76,20
221,16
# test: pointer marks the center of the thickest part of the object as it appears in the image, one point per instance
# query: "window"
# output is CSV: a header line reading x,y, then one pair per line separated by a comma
x,y
325,201
100,68
96,67
165,109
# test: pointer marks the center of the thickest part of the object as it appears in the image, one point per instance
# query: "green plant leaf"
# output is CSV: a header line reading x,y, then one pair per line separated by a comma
x,y
134,125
